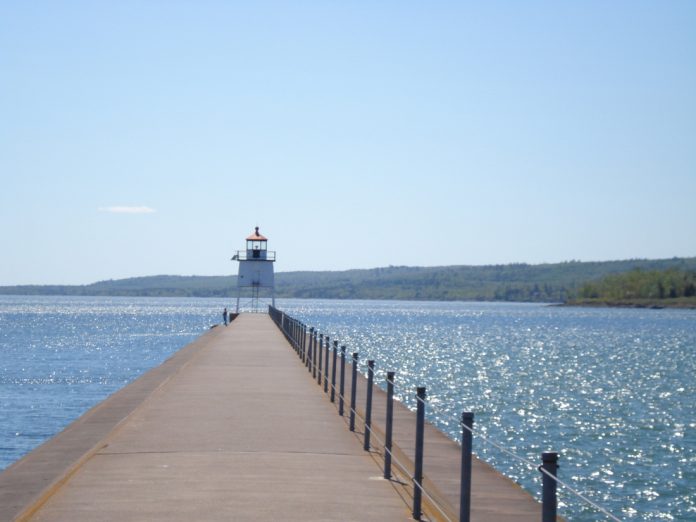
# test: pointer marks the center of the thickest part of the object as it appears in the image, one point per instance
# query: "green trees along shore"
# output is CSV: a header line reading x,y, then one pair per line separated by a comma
x,y
670,287
634,282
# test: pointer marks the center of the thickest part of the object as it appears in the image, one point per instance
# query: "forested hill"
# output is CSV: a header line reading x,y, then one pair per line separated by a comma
x,y
515,282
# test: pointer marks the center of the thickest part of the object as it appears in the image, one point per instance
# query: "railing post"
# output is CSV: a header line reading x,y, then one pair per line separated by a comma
x,y
326,364
465,479
389,426
300,333
314,355
549,461
418,461
353,382
368,405
304,342
333,372
342,389
308,359
321,352
308,355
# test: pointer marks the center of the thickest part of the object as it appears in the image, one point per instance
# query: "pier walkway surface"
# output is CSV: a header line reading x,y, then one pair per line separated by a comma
x,y
230,428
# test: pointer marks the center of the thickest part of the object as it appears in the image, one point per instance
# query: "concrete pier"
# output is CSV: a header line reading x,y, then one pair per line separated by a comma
x,y
233,427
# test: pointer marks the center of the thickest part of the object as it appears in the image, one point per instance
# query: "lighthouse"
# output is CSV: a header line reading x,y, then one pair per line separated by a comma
x,y
255,278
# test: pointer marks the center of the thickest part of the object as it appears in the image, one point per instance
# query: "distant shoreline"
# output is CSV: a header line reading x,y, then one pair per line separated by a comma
x,y
655,304
517,282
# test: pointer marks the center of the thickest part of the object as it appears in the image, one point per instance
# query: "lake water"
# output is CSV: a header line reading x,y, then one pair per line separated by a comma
x,y
612,390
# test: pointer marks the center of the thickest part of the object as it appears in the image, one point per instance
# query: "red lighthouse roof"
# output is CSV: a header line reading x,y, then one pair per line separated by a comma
x,y
256,236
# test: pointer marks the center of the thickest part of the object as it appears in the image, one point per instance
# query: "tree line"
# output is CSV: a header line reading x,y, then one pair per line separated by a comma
x,y
640,284
549,282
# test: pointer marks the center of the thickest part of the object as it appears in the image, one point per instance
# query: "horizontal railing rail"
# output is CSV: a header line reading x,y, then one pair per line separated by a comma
x,y
263,255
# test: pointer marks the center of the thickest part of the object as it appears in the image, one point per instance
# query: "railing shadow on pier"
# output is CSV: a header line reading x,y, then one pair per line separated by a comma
x,y
315,350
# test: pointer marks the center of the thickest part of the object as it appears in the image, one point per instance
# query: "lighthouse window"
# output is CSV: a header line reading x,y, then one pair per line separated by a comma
x,y
256,245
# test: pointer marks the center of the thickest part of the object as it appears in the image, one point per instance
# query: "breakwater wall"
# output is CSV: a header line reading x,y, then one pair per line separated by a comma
x,y
456,490
450,484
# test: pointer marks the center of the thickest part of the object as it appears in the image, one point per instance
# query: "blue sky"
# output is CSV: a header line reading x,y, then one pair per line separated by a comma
x,y
142,138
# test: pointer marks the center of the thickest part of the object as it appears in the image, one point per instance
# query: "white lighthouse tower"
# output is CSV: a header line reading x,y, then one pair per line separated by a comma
x,y
255,278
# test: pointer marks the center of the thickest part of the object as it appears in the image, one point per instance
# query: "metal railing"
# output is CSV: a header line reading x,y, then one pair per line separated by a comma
x,y
313,349
263,255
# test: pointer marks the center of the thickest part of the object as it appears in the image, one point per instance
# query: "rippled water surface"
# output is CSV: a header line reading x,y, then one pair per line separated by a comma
x,y
59,356
613,391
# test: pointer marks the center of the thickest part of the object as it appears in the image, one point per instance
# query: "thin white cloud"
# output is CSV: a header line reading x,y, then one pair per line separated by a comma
x,y
127,210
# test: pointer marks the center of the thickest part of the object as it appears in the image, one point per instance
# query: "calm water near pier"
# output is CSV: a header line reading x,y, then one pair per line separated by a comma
x,y
614,391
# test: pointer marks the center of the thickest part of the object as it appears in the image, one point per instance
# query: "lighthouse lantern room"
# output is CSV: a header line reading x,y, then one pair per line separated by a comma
x,y
255,279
